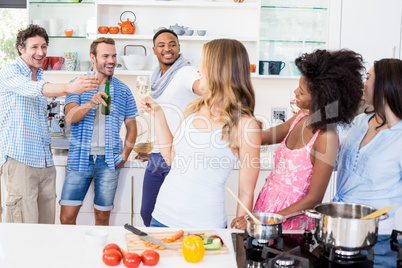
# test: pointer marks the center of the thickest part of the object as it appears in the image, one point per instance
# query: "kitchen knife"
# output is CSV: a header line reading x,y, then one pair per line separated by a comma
x,y
146,237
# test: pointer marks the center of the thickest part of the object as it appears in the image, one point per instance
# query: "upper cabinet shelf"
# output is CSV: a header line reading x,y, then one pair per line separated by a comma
x,y
60,3
214,4
181,37
296,7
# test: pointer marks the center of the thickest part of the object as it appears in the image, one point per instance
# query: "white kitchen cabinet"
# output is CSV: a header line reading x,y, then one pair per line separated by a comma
x,y
122,211
137,195
372,28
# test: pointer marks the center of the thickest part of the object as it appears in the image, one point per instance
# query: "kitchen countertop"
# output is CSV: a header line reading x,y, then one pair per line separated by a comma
x,y
50,245
64,246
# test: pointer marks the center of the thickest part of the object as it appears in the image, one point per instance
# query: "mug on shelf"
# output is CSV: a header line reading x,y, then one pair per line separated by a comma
x,y
103,29
69,32
70,60
271,67
114,29
46,62
56,62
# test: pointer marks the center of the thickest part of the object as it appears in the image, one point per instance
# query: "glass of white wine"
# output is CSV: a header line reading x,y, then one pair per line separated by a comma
x,y
293,105
143,87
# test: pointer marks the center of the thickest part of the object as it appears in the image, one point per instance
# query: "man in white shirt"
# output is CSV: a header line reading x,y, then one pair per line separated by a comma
x,y
174,84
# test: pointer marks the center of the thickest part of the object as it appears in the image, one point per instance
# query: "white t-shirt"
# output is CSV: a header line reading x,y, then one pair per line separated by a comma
x,y
176,97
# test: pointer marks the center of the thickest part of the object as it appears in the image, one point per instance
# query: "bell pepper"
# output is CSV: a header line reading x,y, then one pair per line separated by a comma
x,y
193,248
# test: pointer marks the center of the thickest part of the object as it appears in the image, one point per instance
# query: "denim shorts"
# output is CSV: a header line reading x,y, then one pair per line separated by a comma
x,y
155,223
77,183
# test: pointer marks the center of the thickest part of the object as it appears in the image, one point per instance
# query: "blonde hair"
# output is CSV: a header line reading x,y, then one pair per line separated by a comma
x,y
226,66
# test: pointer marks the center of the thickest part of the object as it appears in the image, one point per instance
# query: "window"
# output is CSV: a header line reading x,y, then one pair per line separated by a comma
x,y
11,20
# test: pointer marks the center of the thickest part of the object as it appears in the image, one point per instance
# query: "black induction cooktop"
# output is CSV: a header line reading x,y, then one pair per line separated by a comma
x,y
295,250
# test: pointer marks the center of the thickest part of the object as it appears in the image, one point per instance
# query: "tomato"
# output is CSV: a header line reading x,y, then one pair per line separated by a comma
x,y
111,246
150,257
111,257
131,260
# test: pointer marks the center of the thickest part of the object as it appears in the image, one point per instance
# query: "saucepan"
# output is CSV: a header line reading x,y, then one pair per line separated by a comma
x,y
265,231
339,225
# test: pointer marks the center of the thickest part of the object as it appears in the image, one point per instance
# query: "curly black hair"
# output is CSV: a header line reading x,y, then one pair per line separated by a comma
x,y
31,31
334,80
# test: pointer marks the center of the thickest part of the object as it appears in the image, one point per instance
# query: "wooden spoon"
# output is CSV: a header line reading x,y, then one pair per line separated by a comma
x,y
377,213
248,211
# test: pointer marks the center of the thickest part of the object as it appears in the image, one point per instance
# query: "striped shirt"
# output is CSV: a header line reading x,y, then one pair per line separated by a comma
x,y
123,106
24,133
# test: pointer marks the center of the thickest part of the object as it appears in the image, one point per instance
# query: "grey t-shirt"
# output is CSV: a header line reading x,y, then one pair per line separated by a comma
x,y
99,129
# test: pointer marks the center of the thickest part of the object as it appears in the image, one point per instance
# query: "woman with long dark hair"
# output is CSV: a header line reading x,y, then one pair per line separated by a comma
x,y
370,158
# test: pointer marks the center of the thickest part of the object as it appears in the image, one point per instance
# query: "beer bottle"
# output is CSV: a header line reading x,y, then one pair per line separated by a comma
x,y
108,100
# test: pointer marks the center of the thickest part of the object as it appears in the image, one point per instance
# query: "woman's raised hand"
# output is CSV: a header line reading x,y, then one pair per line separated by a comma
x,y
149,105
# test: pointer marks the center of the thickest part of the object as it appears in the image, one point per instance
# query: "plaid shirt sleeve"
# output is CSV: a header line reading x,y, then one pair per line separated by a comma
x,y
12,79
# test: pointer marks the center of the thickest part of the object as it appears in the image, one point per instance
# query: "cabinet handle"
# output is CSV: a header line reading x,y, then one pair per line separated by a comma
x,y
132,200
393,51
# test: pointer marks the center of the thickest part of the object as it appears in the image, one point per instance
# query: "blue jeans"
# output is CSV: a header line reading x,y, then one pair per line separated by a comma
x,y
155,223
77,183
155,174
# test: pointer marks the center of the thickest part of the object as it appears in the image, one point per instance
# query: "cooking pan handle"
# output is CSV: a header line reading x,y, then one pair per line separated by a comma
x,y
293,215
313,214
383,216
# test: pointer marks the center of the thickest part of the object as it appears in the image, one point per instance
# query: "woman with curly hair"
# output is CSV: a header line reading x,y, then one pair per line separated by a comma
x,y
330,88
370,157
218,129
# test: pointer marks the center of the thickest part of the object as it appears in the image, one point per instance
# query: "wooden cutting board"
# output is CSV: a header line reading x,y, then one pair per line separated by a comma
x,y
135,244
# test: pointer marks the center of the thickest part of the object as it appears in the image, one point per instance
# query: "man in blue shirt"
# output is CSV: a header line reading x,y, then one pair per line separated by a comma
x,y
25,157
96,151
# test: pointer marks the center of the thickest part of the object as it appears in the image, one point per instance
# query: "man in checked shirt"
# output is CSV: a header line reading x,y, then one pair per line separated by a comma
x,y
25,157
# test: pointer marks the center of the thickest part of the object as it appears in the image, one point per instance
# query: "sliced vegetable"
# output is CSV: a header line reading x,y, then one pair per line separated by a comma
x,y
199,234
216,236
193,249
212,243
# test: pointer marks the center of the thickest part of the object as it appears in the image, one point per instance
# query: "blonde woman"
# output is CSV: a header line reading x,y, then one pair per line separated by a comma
x,y
217,131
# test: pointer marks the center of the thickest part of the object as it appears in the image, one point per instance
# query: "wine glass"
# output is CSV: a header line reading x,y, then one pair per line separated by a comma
x,y
293,105
143,87
92,73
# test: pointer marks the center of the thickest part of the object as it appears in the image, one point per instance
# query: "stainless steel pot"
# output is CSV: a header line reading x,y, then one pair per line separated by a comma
x,y
263,232
339,225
